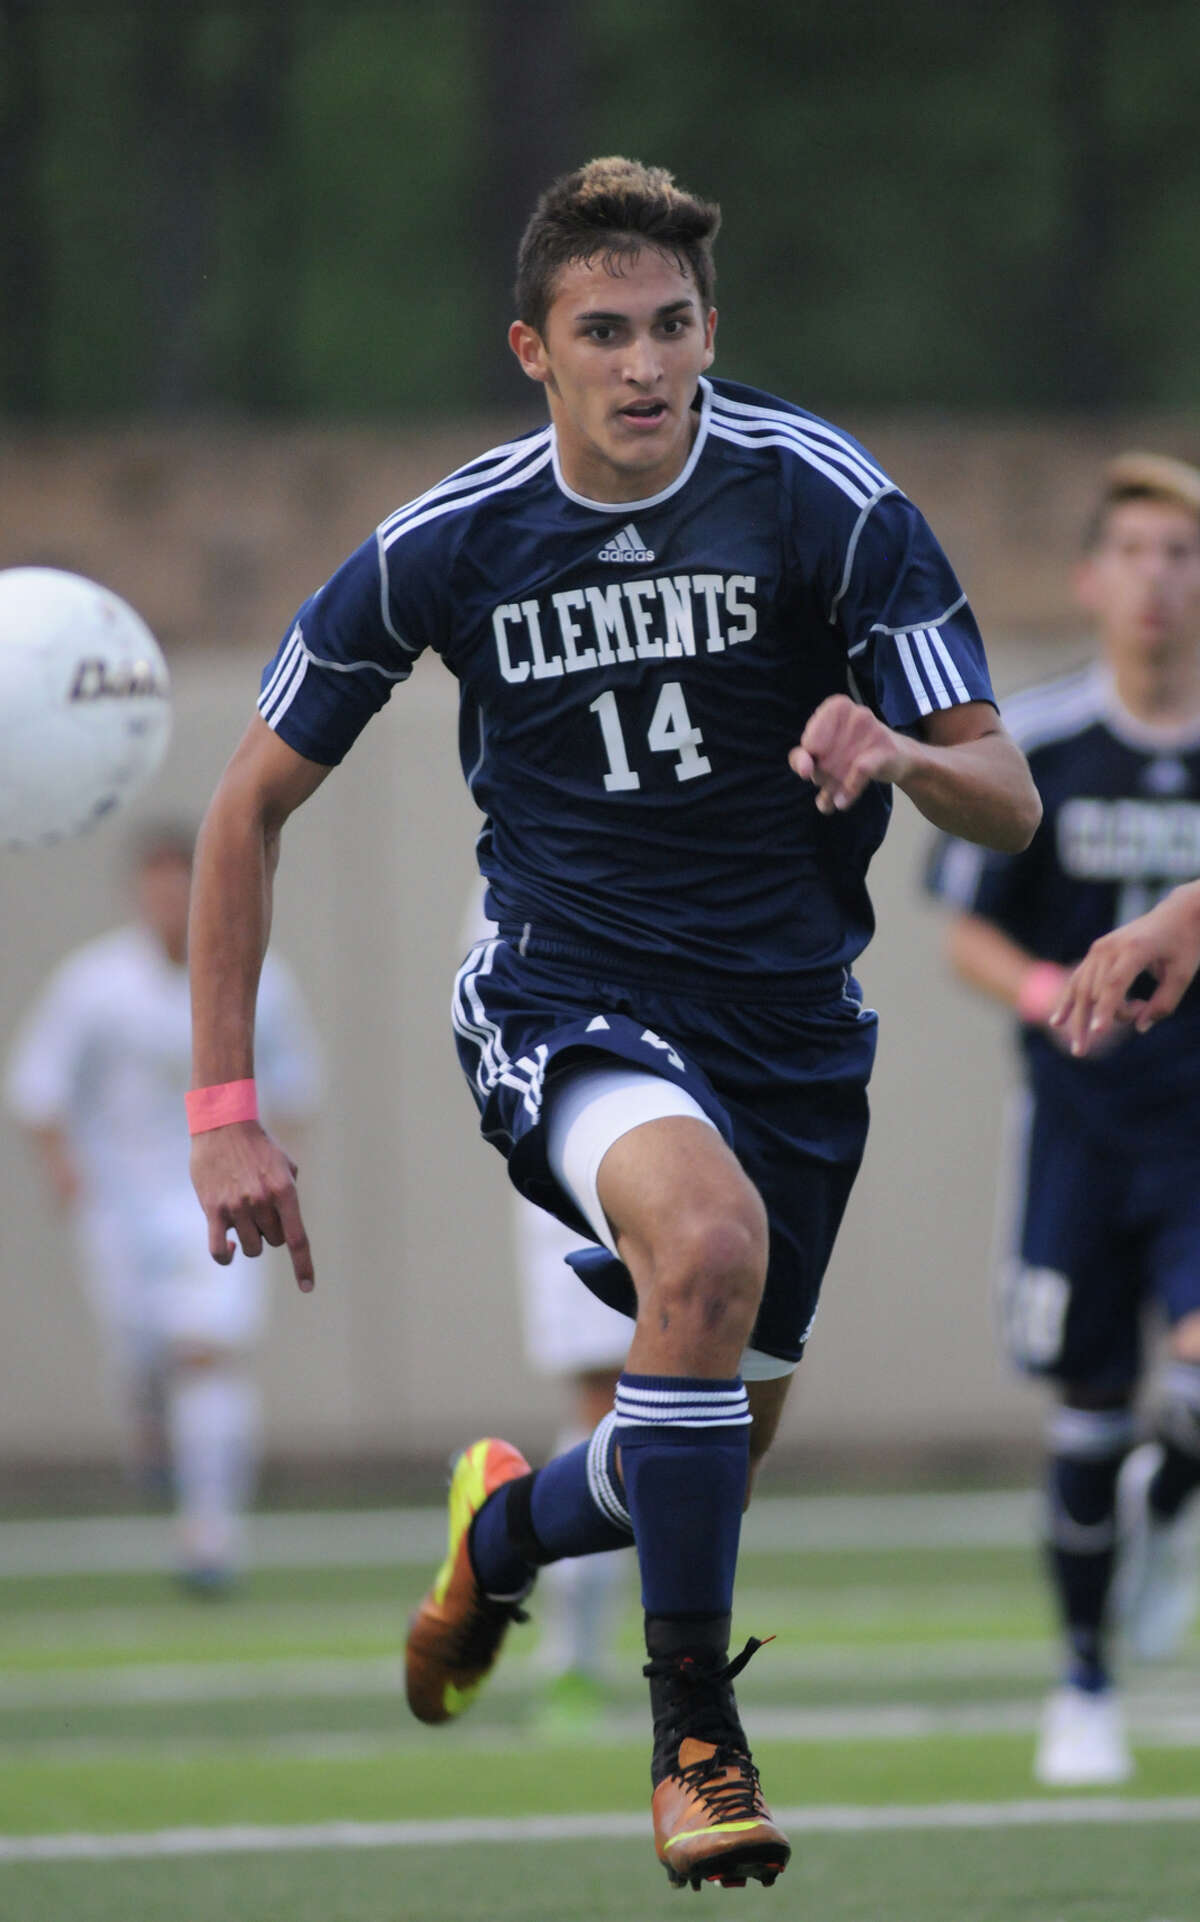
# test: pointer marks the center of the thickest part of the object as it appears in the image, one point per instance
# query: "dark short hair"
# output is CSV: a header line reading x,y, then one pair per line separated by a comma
x,y
1143,477
614,208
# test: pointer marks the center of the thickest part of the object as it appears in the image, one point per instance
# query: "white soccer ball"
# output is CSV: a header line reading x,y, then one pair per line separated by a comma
x,y
85,704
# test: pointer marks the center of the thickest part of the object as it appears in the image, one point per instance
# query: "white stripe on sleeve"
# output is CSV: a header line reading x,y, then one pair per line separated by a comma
x,y
913,675
952,673
930,665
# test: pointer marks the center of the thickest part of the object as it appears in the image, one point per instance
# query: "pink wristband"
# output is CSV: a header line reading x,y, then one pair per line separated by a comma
x,y
217,1107
1039,991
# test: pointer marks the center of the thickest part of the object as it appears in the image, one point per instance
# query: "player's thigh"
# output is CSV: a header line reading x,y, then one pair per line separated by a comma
x,y
527,1031
1070,1273
676,1195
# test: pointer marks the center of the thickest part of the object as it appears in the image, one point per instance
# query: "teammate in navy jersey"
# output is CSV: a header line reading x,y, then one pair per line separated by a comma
x,y
1111,1142
698,635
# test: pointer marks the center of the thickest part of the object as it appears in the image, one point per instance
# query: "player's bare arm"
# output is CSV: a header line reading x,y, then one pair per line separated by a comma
x,y
986,957
245,1181
964,773
1165,943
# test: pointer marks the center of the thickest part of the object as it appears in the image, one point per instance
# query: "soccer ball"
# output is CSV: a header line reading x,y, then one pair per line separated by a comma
x,y
85,704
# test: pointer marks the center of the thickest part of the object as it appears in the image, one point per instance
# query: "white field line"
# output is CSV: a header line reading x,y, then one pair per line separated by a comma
x,y
817,1524
247,1839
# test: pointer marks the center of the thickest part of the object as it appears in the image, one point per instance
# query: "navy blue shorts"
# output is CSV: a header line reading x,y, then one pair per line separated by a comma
x,y
1104,1234
786,1085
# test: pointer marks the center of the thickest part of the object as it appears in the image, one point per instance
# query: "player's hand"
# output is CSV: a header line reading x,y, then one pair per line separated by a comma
x,y
1095,1003
843,748
247,1185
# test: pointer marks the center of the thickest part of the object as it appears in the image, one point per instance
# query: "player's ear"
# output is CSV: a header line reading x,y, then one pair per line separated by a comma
x,y
710,336
529,348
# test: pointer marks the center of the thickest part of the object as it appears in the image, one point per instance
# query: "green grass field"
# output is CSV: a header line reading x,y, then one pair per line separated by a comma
x,y
893,1720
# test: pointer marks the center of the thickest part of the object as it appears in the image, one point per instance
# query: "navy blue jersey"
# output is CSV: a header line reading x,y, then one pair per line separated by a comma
x,y
632,677
1120,827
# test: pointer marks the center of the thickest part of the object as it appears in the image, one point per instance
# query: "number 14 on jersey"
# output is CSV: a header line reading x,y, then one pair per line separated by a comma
x,y
670,732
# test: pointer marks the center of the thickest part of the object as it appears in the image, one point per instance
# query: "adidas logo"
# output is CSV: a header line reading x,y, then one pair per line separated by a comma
x,y
626,546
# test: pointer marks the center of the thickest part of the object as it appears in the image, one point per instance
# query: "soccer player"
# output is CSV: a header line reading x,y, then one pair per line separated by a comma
x,y
698,636
1110,1173
96,1078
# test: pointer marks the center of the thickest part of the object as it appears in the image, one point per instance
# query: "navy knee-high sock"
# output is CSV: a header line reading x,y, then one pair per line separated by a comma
x,y
573,1506
685,1452
1088,1446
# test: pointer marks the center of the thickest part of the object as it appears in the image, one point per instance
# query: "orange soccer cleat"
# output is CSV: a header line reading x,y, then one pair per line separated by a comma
x,y
711,1823
455,1634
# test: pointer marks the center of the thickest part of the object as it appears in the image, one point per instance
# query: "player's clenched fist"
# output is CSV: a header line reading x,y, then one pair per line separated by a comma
x,y
843,747
247,1184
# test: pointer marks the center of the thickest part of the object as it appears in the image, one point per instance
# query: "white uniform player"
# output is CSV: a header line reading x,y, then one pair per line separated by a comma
x,y
97,1076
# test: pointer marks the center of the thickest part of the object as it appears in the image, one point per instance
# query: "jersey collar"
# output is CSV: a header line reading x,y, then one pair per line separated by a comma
x,y
1149,737
652,500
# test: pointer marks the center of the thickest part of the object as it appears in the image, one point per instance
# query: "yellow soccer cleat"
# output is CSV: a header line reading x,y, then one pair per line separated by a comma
x,y
454,1635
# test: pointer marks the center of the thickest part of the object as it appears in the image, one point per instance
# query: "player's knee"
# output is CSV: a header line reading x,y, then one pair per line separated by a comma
x,y
712,1270
1087,1446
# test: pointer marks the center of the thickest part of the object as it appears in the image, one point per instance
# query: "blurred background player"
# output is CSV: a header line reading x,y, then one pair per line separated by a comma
x,y
1110,1145
96,1078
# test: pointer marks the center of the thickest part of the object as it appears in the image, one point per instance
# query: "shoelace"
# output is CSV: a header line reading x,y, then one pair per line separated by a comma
x,y
695,1674
701,1702
737,1796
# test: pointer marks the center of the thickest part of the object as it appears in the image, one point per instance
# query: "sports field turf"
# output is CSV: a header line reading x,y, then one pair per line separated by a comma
x,y
253,1759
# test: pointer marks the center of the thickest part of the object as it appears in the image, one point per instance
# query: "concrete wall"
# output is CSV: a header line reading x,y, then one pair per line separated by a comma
x,y
410,1342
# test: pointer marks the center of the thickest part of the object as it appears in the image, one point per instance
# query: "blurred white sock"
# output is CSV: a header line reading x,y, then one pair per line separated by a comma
x,y
214,1421
581,1599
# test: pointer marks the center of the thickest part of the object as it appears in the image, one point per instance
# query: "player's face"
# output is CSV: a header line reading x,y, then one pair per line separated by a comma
x,y
619,358
1142,581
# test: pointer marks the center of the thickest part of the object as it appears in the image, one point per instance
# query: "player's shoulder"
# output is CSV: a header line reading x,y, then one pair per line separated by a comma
x,y
820,458
1050,712
489,479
